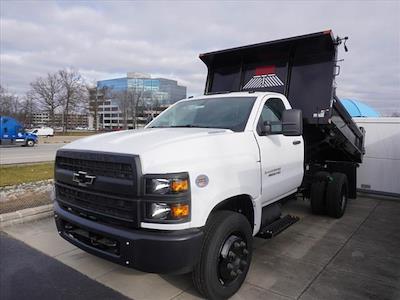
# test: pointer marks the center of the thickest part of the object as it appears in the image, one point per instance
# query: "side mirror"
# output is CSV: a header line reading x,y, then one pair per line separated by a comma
x,y
149,119
292,122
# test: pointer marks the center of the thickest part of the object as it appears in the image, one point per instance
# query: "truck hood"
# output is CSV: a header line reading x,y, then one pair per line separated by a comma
x,y
143,140
169,149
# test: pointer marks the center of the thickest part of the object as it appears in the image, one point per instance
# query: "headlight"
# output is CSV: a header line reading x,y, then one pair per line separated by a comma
x,y
159,211
167,198
167,211
167,184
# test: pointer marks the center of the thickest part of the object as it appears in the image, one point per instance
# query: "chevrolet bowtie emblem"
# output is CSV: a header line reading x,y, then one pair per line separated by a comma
x,y
83,179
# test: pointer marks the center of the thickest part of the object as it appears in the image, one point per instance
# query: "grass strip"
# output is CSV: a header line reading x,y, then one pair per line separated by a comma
x,y
22,173
75,133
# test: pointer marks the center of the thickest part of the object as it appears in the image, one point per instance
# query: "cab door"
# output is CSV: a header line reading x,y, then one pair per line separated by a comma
x,y
281,156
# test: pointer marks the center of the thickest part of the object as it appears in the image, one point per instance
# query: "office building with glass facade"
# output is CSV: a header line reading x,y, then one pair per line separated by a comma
x,y
130,101
164,91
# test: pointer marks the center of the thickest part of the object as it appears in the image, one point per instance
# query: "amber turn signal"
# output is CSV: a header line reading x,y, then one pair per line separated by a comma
x,y
179,211
179,185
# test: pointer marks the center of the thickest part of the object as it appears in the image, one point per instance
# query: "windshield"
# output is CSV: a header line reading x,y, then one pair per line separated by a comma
x,y
224,112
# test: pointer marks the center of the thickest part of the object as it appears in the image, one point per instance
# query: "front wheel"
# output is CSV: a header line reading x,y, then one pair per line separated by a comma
x,y
225,256
30,143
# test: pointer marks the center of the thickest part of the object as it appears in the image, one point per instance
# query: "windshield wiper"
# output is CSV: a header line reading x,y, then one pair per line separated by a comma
x,y
190,126
187,126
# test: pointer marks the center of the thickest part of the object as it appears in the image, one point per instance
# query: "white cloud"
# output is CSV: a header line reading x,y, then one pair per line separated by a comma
x,y
103,39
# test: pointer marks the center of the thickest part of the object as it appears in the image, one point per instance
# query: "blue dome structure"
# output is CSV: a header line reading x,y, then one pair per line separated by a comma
x,y
358,109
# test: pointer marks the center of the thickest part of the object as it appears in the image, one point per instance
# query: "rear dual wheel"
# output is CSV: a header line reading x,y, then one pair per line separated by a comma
x,y
225,256
337,195
329,194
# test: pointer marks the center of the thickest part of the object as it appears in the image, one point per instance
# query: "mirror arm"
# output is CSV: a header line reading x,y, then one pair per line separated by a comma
x,y
266,129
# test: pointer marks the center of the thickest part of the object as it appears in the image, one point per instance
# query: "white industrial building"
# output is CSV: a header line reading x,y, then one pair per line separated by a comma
x,y
380,170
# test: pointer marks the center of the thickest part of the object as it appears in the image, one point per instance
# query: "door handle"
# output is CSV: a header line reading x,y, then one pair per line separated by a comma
x,y
296,142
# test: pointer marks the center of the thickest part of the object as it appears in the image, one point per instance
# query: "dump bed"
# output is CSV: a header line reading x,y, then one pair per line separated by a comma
x,y
303,69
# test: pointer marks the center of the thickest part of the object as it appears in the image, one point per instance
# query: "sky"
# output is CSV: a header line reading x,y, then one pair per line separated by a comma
x,y
107,39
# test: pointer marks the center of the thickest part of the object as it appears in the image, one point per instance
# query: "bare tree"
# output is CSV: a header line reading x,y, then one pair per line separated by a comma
x,y
73,93
151,108
121,98
47,92
135,105
130,103
21,108
97,96
9,103
28,108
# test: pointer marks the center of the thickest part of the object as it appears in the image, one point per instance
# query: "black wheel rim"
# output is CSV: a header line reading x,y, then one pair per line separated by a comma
x,y
233,259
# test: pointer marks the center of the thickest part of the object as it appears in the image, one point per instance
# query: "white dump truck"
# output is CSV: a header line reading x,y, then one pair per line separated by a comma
x,y
191,191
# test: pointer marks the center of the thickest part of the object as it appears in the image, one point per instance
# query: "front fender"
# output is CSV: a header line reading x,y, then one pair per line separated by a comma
x,y
228,177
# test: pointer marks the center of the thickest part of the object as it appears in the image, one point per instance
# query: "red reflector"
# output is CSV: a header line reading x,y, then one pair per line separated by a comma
x,y
265,70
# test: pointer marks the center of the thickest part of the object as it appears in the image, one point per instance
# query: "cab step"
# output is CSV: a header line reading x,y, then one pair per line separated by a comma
x,y
277,226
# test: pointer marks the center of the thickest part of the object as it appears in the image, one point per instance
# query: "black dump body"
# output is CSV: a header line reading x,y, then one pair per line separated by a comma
x,y
303,69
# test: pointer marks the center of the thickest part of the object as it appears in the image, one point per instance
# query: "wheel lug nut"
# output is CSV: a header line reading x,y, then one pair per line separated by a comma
x,y
242,244
239,272
243,263
236,245
229,266
231,254
245,251
233,274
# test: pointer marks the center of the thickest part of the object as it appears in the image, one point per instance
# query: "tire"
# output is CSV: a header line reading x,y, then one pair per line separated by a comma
x,y
227,248
337,195
318,193
30,143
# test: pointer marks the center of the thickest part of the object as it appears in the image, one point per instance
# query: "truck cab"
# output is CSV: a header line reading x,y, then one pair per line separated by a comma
x,y
190,191
13,133
237,129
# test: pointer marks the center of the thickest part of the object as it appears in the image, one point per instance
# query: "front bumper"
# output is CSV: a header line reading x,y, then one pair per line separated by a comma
x,y
146,250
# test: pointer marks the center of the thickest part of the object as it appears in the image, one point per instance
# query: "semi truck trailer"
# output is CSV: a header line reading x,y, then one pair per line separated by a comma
x,y
191,191
43,131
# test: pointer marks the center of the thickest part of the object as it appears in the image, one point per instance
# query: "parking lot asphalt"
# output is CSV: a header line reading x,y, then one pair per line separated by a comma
x,y
29,274
19,154
355,257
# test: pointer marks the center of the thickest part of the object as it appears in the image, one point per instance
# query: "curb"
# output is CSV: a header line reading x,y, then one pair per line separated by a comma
x,y
26,215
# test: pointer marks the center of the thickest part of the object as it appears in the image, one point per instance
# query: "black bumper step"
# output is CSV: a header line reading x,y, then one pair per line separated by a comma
x,y
277,227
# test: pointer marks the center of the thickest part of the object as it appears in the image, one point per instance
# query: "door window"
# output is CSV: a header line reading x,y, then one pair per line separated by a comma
x,y
272,113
